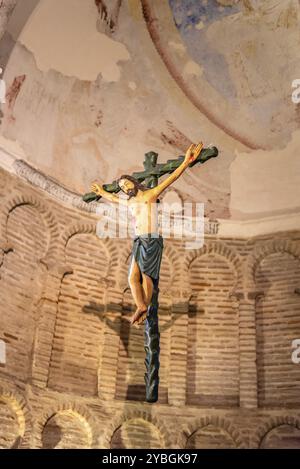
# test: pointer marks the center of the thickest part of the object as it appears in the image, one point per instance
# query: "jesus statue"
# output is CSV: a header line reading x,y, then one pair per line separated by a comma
x,y
148,243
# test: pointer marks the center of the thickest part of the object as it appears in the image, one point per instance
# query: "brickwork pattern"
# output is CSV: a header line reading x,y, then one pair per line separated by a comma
x,y
74,370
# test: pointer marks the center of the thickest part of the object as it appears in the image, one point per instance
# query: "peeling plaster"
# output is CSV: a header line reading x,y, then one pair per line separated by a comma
x,y
77,131
200,25
6,9
63,36
132,85
179,47
192,68
13,93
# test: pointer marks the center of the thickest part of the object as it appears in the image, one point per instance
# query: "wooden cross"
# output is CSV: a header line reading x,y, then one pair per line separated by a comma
x,y
153,171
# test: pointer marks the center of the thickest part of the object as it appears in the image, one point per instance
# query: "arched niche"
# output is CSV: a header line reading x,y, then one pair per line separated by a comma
x,y
213,333
79,324
283,436
66,430
210,437
277,324
21,285
137,433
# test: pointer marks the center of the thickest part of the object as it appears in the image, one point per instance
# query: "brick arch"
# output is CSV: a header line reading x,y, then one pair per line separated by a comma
x,y
42,255
77,228
221,250
107,243
104,441
18,404
280,245
274,273
69,328
216,421
270,425
79,411
11,204
205,308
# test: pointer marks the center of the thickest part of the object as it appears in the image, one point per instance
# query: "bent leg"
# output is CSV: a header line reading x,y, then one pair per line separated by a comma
x,y
137,291
147,288
148,291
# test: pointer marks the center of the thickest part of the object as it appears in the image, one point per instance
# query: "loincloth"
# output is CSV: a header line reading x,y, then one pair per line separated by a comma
x,y
147,251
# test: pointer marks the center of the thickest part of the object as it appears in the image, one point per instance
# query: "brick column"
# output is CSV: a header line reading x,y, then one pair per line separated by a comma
x,y
247,353
178,354
43,341
107,374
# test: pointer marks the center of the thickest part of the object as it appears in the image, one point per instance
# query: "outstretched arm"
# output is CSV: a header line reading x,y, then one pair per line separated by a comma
x,y
107,195
191,155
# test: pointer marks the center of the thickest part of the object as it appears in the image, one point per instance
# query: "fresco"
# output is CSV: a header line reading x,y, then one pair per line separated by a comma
x,y
223,74
248,53
192,18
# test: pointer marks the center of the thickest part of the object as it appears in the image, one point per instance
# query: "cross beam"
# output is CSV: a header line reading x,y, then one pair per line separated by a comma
x,y
153,171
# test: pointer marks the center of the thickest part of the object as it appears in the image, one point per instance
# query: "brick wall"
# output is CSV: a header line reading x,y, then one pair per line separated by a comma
x,y
74,373
277,324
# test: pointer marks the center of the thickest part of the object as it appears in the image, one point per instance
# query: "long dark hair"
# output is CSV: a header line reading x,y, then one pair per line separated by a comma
x,y
137,184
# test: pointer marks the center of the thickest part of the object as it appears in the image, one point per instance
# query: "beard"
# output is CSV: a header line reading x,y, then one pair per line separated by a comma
x,y
132,192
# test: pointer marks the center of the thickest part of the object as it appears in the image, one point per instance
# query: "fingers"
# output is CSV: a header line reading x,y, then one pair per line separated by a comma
x,y
195,148
198,148
191,148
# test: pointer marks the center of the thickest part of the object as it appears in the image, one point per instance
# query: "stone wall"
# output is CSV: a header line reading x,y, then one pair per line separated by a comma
x,y
74,371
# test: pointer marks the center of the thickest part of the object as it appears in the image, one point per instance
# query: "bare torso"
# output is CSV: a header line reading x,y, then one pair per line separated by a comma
x,y
143,205
145,214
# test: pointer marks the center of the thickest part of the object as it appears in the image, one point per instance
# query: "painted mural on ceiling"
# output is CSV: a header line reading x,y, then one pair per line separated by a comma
x,y
192,18
246,50
233,63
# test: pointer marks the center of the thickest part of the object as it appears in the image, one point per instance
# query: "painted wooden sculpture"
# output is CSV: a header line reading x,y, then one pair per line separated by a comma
x,y
148,243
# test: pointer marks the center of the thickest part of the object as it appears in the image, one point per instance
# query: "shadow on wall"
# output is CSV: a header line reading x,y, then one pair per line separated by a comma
x,y
52,435
129,359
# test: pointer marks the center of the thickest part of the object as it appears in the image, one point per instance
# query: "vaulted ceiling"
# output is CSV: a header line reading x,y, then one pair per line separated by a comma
x,y
94,85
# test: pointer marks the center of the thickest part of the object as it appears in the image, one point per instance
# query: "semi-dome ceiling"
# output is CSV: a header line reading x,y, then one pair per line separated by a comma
x,y
94,85
243,59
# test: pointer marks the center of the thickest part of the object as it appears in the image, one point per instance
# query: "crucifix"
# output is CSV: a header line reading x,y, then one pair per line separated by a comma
x,y
147,247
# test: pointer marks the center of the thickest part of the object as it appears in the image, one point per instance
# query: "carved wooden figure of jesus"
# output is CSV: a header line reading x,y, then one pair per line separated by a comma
x,y
148,243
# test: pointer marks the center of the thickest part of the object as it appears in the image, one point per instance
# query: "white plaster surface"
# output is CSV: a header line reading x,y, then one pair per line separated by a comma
x,y
63,36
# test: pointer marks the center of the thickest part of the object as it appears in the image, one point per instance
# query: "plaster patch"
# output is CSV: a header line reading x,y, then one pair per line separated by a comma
x,y
132,85
200,25
192,68
178,47
62,35
266,181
